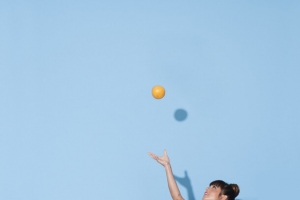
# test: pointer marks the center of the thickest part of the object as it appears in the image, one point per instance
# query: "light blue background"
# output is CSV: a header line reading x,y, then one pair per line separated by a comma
x,y
77,117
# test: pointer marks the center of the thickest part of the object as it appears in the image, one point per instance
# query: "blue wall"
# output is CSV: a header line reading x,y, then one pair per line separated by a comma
x,y
77,117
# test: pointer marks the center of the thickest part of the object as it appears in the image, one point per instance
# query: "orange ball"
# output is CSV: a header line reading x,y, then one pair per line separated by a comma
x,y
158,92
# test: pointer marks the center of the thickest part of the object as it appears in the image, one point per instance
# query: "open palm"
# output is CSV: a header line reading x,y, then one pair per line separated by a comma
x,y
163,160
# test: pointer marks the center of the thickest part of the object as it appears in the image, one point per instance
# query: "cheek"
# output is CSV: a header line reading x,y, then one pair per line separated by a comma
x,y
215,194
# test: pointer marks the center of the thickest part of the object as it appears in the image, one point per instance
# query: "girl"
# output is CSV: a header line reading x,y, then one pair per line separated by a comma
x,y
217,190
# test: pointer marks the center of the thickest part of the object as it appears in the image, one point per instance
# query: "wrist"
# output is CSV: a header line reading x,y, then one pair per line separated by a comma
x,y
168,166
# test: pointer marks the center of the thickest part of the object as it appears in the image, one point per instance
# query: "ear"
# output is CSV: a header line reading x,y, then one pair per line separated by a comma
x,y
223,197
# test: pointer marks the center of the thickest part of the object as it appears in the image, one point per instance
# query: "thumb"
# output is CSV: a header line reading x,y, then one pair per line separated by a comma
x,y
165,152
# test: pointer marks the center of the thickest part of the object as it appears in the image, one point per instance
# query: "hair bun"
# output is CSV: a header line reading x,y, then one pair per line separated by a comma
x,y
236,189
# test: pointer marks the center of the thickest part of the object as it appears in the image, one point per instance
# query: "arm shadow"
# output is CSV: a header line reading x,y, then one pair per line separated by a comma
x,y
186,182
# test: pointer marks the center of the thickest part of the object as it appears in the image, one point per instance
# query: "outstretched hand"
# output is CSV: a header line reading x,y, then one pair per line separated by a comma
x,y
163,160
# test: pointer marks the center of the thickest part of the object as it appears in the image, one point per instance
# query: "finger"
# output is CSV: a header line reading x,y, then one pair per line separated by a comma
x,y
153,156
150,154
165,152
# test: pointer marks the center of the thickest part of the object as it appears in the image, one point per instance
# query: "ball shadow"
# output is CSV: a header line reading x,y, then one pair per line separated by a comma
x,y
180,115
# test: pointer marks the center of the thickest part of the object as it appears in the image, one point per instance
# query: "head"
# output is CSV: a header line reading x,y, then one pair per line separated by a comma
x,y
219,190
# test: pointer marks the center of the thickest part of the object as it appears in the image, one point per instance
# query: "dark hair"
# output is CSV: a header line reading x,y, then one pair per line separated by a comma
x,y
230,190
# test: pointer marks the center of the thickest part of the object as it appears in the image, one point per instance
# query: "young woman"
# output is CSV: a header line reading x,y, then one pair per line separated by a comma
x,y
217,190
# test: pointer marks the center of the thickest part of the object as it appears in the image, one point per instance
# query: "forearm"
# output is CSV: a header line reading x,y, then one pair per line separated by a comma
x,y
174,190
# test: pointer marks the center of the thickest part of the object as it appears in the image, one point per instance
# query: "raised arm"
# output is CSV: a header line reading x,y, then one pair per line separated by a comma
x,y
165,161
